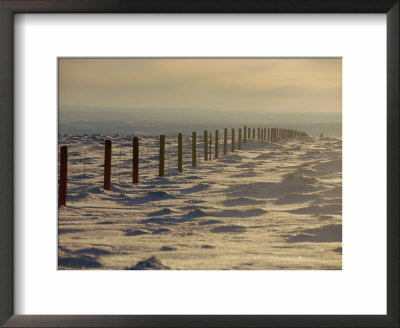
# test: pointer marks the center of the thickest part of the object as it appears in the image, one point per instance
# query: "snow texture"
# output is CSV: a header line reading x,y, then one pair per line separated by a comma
x,y
266,207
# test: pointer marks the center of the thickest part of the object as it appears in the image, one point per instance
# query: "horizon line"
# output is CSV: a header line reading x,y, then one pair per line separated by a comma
x,y
198,108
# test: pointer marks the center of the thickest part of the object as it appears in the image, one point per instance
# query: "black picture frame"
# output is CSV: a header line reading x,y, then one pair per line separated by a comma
x,y
10,7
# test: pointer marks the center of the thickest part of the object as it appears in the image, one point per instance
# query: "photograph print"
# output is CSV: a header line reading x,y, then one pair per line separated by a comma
x,y
199,164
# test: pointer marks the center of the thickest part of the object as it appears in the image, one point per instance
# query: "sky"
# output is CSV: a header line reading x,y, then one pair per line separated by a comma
x,y
257,84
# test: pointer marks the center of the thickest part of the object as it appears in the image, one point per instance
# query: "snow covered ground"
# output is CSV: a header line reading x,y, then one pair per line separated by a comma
x,y
269,206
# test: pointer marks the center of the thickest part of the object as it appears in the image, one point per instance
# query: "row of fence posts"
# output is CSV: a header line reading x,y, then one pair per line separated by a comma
x,y
263,134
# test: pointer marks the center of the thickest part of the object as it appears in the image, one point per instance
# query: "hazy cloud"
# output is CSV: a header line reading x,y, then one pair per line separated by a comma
x,y
227,84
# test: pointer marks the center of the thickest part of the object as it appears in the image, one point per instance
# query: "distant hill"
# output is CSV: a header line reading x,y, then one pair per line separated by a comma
x,y
105,120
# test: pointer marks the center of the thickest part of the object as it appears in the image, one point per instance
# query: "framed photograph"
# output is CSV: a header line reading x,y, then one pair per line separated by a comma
x,y
199,164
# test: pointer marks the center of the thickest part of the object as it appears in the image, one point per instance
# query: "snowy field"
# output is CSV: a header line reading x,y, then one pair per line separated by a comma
x,y
269,206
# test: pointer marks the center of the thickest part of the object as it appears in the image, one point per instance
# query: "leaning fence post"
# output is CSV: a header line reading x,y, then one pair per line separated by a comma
x,y
225,140
161,157
62,191
240,139
216,143
244,134
107,165
180,152
205,146
194,149
233,140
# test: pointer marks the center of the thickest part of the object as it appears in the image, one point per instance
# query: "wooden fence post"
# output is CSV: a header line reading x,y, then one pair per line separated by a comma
x,y
194,149
254,133
107,165
209,153
262,134
244,134
216,143
135,160
62,191
258,134
225,140
205,146
240,140
248,136
161,157
265,134
180,152
233,140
